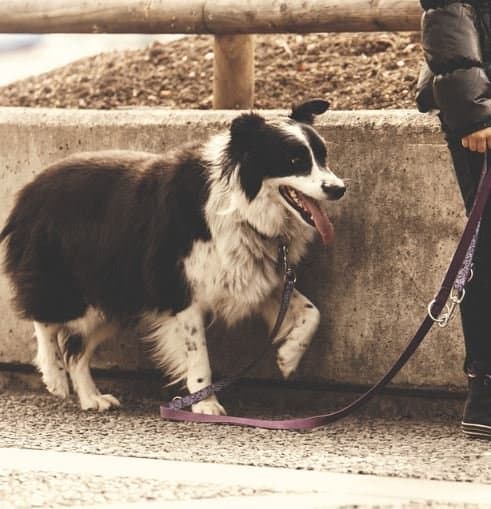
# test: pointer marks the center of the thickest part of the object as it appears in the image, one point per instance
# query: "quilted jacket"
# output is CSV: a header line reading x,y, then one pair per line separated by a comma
x,y
455,78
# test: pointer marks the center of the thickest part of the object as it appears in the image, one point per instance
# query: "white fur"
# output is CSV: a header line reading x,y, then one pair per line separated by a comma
x,y
296,332
79,370
93,330
49,359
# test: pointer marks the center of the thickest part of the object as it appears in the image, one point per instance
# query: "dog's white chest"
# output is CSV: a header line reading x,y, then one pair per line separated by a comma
x,y
231,283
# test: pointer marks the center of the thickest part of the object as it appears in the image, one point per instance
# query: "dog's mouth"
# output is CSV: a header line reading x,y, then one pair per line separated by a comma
x,y
310,211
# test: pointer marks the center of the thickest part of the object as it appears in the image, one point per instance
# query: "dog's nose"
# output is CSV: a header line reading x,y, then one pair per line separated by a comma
x,y
333,192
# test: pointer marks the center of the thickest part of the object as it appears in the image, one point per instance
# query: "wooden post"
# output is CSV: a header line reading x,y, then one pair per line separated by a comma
x,y
233,80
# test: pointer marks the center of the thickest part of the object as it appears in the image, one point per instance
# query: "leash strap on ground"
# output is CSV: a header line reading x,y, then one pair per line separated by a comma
x,y
455,278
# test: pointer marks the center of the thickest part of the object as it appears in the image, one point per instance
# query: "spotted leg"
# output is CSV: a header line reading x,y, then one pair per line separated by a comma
x,y
296,332
197,361
179,346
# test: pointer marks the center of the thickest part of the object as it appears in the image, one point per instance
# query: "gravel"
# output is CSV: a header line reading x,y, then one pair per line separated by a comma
x,y
354,71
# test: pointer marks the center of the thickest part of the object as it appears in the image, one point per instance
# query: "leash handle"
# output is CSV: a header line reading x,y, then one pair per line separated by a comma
x,y
460,264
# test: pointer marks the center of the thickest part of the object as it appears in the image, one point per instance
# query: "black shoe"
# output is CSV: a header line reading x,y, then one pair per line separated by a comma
x,y
476,421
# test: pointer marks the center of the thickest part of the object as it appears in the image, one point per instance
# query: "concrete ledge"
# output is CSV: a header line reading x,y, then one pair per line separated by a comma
x,y
396,230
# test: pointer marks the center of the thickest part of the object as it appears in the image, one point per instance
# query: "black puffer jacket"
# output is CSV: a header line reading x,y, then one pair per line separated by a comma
x,y
456,38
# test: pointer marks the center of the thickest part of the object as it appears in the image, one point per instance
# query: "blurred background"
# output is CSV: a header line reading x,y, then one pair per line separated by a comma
x,y
23,55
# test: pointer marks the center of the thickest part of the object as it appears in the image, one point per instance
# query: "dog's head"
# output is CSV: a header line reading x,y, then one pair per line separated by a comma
x,y
287,159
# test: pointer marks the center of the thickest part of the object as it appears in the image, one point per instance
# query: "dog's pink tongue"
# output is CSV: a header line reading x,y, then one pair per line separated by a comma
x,y
322,222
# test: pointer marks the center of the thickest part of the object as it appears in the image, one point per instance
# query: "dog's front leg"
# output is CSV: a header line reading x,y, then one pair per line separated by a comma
x,y
198,375
296,332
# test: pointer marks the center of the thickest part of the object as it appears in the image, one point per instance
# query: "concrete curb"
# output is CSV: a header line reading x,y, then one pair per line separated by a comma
x,y
396,230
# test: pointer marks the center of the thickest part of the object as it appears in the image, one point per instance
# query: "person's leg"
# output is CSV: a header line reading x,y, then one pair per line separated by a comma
x,y
476,305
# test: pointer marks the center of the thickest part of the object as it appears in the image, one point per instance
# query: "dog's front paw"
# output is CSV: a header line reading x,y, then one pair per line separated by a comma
x,y
99,402
209,406
288,357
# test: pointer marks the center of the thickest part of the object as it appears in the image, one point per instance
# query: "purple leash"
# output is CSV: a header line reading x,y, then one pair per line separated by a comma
x,y
452,289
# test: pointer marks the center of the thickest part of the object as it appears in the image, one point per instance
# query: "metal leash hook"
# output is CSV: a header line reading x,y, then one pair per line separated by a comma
x,y
444,318
456,297
289,270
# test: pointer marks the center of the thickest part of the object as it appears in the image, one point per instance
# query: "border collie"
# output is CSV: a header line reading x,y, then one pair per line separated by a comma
x,y
101,239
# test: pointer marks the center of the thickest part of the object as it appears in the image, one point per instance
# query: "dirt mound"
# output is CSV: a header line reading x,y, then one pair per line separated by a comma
x,y
354,71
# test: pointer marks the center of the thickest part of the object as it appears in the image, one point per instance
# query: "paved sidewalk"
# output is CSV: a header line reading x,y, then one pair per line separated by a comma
x,y
54,455
141,481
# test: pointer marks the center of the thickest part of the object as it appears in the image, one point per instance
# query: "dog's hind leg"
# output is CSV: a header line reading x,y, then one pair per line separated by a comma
x,y
296,332
49,359
78,352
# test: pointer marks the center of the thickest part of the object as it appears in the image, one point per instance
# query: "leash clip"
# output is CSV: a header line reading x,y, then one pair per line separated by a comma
x,y
176,402
283,252
290,274
444,318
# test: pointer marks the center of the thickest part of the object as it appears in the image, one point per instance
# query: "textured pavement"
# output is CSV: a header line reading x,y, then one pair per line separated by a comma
x,y
22,490
404,449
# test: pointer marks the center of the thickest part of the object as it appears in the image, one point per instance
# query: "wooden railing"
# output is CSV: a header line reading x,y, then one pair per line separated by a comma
x,y
231,21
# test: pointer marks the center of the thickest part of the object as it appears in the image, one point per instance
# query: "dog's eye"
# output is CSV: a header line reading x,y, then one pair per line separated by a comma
x,y
298,164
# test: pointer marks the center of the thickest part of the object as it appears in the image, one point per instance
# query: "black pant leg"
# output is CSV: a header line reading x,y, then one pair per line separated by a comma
x,y
476,306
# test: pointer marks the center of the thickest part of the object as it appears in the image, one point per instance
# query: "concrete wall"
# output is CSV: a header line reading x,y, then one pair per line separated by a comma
x,y
396,229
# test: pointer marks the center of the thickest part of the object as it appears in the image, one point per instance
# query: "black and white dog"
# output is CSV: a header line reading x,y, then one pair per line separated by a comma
x,y
103,238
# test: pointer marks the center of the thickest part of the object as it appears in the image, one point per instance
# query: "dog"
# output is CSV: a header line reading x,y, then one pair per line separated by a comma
x,y
103,239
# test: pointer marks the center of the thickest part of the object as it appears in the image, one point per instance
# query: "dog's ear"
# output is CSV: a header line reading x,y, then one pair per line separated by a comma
x,y
244,130
306,111
245,133
251,178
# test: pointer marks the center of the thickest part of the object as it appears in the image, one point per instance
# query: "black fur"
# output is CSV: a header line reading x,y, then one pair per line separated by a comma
x,y
98,230
316,144
73,347
307,111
